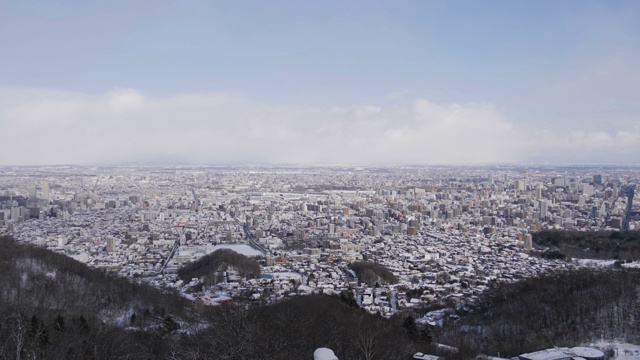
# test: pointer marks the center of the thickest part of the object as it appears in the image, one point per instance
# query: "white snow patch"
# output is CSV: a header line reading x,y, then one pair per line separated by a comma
x,y
622,351
597,263
245,250
324,354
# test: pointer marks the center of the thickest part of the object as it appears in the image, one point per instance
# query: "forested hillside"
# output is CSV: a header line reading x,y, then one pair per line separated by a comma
x,y
372,273
293,329
217,261
52,307
42,280
560,309
592,245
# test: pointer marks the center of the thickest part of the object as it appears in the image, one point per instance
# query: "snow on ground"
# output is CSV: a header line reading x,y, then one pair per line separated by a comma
x,y
240,249
597,263
324,354
634,265
286,275
622,351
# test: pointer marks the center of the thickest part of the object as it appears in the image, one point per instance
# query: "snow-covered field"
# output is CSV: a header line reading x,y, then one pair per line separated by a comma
x,y
240,249
622,351
597,263
286,275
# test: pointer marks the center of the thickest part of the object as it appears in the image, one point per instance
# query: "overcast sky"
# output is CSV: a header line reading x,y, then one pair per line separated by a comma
x,y
338,82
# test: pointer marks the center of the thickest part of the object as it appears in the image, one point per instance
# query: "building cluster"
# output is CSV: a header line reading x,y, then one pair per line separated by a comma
x,y
445,233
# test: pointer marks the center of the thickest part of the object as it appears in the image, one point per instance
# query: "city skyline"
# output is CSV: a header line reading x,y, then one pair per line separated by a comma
x,y
375,83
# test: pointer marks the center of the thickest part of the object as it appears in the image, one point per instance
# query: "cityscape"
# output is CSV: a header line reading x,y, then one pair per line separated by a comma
x,y
446,233
326,180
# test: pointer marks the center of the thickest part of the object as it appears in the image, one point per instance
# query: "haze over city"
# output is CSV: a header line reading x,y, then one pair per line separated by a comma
x,y
320,82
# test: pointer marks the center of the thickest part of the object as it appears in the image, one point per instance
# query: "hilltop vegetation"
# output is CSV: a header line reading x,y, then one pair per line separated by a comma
x,y
560,309
593,245
39,279
293,329
53,307
371,273
218,261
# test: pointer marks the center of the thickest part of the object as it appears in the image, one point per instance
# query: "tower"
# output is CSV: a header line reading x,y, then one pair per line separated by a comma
x,y
111,244
45,190
528,241
15,213
543,209
597,179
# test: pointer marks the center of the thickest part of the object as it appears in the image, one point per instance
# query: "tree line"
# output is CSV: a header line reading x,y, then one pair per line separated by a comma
x,y
371,273
592,244
53,307
560,309
218,261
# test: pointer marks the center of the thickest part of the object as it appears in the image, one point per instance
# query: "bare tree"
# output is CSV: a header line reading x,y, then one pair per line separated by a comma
x,y
17,326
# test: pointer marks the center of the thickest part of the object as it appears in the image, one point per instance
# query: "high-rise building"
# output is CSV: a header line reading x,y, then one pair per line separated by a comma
x,y
597,179
543,209
45,190
587,189
559,181
528,241
111,244
15,213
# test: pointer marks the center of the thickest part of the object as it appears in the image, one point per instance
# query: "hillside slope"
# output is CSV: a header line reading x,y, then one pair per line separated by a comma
x,y
43,280
560,309
52,307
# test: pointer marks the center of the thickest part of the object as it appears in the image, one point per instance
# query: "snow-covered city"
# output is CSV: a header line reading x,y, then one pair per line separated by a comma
x,y
445,233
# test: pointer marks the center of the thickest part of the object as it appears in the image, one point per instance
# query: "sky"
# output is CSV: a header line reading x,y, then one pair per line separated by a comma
x,y
319,82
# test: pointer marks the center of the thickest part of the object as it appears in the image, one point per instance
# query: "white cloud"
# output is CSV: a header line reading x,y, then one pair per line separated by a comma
x,y
124,125
123,100
622,141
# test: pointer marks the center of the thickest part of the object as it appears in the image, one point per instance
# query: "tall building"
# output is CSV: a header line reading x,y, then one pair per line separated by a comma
x,y
111,244
15,213
45,190
597,179
543,209
559,181
528,241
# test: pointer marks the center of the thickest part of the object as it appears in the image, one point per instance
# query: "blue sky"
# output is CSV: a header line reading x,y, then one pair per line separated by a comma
x,y
536,81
